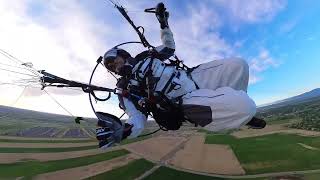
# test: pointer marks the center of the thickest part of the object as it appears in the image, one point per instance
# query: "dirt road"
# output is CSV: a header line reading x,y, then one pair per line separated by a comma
x,y
197,156
35,138
271,129
155,148
6,158
89,170
45,145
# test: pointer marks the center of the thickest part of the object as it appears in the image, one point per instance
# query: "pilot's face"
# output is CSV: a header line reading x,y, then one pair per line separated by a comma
x,y
116,65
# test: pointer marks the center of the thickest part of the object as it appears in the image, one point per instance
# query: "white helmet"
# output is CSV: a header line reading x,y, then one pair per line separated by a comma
x,y
111,55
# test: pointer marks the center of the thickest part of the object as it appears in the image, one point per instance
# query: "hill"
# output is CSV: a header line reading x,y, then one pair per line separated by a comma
x,y
28,123
305,97
302,112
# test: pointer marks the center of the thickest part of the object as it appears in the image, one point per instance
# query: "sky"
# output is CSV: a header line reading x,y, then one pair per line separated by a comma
x,y
279,39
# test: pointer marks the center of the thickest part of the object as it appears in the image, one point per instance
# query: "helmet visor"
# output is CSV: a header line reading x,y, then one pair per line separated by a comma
x,y
109,63
109,57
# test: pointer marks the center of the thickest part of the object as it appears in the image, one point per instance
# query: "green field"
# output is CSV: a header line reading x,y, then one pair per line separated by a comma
x,y
130,171
65,149
128,141
274,121
313,176
303,115
272,153
6,127
172,174
45,150
16,125
33,168
45,141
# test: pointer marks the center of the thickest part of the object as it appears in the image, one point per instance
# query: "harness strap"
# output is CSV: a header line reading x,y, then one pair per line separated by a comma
x,y
189,75
168,83
138,71
148,77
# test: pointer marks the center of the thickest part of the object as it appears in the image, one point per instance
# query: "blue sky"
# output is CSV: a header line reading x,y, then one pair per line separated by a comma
x,y
279,39
292,38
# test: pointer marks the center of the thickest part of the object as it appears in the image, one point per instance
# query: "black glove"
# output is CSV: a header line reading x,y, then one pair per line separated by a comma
x,y
104,136
162,15
127,130
110,130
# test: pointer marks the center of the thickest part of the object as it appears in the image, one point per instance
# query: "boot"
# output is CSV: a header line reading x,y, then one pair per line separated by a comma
x,y
256,123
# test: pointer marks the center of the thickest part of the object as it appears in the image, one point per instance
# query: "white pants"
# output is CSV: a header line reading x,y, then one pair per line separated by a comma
x,y
223,85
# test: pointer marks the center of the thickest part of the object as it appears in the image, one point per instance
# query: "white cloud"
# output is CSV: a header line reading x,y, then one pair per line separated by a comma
x,y
196,30
311,38
203,19
252,11
254,79
239,43
262,62
288,26
65,38
197,35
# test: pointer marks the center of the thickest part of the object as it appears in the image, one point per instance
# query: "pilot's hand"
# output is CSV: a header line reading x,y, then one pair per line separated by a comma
x,y
162,15
104,136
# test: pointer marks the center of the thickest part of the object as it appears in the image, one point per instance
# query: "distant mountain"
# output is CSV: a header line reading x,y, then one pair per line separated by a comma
x,y
305,97
24,114
315,93
28,123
